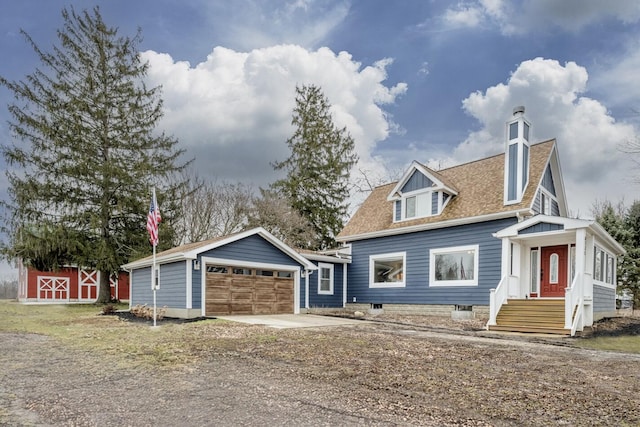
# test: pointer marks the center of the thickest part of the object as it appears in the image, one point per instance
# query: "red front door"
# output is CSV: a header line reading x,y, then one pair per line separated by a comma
x,y
553,271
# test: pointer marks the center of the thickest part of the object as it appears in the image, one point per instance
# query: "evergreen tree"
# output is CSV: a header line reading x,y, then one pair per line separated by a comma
x,y
85,153
318,169
631,279
623,224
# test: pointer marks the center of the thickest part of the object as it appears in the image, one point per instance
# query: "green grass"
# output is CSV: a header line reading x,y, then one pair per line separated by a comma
x,y
624,344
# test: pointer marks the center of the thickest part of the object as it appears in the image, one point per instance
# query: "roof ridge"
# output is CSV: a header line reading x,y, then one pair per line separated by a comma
x,y
492,156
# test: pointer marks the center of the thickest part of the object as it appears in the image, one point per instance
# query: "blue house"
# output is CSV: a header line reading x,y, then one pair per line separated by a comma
x,y
490,236
251,272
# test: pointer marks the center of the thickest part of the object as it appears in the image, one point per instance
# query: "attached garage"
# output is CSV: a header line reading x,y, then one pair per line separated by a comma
x,y
233,289
251,272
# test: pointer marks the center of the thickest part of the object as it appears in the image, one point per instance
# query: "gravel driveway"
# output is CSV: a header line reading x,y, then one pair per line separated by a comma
x,y
369,374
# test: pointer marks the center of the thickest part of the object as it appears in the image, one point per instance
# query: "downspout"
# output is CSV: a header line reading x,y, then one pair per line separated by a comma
x,y
306,273
344,285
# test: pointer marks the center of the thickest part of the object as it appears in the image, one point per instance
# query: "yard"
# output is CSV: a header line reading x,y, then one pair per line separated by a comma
x,y
67,365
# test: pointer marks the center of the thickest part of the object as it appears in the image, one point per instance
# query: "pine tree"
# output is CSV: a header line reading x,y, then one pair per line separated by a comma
x,y
623,224
85,153
318,169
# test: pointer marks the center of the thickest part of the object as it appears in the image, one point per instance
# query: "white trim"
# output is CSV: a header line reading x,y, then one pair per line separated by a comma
x,y
396,194
189,284
193,254
344,285
568,225
454,249
434,225
254,265
387,257
54,283
327,258
330,267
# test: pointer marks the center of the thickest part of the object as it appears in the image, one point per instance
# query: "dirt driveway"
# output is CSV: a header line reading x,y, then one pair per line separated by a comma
x,y
369,374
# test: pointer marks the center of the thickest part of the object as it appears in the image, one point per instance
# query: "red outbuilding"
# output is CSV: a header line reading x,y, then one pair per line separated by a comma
x,y
67,285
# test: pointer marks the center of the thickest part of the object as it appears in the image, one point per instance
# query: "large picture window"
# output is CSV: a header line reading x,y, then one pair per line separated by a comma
x,y
325,279
457,266
387,270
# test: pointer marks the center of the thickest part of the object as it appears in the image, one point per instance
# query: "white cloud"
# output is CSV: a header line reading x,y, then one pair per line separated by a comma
x,y
589,139
233,111
464,16
616,77
533,15
252,24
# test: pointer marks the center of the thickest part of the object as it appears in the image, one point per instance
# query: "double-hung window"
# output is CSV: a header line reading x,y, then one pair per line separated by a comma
x,y
325,279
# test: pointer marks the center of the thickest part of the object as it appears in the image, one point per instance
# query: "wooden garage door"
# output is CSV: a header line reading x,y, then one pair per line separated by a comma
x,y
235,290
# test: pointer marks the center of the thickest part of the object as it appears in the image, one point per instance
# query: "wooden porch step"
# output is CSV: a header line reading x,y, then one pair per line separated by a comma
x,y
531,329
533,316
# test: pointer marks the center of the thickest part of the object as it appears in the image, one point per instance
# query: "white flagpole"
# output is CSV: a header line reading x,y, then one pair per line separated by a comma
x,y
153,285
153,268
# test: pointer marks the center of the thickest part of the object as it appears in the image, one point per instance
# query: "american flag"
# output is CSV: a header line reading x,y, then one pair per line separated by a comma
x,y
153,219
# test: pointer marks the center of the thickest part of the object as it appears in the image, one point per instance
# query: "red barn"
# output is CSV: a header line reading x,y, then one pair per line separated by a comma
x,y
68,285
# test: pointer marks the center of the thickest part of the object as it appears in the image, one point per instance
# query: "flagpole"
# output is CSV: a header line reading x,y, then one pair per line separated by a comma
x,y
153,271
153,285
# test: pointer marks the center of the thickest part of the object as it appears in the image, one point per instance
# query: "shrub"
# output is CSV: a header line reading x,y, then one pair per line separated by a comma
x,y
145,312
109,309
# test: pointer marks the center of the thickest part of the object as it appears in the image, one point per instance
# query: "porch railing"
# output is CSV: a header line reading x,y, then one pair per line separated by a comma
x,y
497,298
573,297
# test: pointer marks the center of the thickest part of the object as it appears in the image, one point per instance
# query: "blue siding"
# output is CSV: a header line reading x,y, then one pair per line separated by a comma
x,y
398,209
140,286
542,227
434,202
536,203
251,249
317,300
417,246
196,286
172,292
547,181
512,172
604,299
173,284
417,182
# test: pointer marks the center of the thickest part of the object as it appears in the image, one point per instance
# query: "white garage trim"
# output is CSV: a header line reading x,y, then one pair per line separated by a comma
x,y
249,264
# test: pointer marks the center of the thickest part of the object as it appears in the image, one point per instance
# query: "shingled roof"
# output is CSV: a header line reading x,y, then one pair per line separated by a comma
x,y
480,192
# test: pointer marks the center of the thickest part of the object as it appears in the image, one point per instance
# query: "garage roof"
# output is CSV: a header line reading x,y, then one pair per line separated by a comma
x,y
192,250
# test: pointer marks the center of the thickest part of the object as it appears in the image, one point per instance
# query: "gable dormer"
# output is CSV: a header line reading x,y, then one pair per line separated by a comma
x,y
516,159
550,196
420,193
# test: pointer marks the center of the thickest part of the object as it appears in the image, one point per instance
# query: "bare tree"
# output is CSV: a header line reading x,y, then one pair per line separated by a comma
x,y
274,212
212,209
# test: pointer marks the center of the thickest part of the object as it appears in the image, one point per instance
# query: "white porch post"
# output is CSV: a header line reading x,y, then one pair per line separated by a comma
x,y
581,251
506,261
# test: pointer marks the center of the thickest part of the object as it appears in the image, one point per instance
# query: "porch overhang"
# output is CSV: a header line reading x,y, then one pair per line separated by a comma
x,y
557,230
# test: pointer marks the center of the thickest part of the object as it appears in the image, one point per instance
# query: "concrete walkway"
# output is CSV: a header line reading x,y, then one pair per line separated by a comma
x,y
283,321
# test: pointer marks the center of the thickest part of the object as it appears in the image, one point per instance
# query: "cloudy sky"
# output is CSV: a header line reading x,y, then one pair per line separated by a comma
x,y
433,81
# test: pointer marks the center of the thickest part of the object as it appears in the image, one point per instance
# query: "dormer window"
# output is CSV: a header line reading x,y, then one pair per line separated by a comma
x,y
417,205
420,193
526,131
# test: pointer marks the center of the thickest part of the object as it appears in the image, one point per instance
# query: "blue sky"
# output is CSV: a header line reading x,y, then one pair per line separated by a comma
x,y
432,81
